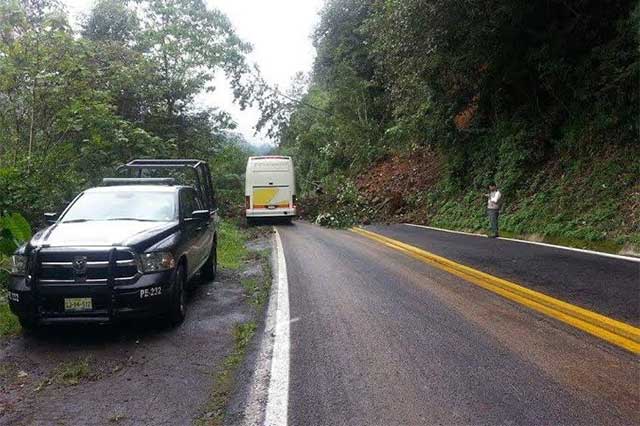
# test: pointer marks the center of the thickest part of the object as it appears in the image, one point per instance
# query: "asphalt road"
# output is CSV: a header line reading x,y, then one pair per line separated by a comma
x,y
605,285
380,338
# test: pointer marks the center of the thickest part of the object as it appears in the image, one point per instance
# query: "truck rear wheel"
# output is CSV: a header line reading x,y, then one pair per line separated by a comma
x,y
210,267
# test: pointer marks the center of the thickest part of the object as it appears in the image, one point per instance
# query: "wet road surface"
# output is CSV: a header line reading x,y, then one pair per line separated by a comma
x,y
380,338
606,285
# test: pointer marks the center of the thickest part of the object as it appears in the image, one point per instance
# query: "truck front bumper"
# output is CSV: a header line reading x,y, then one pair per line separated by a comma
x,y
147,296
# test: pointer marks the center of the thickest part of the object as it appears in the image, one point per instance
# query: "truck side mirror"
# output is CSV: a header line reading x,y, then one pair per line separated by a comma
x,y
50,218
201,215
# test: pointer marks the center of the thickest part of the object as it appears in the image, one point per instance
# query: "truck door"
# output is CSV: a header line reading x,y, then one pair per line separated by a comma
x,y
195,231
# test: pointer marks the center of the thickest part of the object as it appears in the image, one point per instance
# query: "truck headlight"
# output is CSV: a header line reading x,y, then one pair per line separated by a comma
x,y
18,264
157,261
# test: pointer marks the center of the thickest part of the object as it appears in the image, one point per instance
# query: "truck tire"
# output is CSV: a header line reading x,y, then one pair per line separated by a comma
x,y
178,306
210,267
29,325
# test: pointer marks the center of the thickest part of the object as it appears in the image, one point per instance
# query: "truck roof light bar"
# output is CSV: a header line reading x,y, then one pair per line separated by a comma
x,y
203,186
171,163
138,181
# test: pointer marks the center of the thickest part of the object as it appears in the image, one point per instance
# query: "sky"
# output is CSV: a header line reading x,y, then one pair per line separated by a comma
x,y
279,31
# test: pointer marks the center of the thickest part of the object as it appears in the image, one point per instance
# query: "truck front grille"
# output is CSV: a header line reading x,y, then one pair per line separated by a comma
x,y
85,266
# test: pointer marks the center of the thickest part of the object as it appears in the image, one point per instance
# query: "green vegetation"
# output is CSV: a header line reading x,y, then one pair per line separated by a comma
x,y
224,382
69,373
75,104
228,166
9,325
14,230
542,97
231,246
258,290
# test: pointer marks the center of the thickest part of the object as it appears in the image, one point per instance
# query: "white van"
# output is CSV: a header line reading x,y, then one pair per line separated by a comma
x,y
270,187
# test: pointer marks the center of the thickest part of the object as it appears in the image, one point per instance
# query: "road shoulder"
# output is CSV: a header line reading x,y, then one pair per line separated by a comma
x,y
261,395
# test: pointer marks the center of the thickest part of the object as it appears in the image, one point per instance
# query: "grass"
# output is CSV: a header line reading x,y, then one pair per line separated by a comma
x,y
224,382
578,204
256,291
232,253
71,373
231,246
9,325
527,222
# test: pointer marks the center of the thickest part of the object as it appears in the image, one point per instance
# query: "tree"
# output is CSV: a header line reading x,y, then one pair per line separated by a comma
x,y
112,21
187,43
74,107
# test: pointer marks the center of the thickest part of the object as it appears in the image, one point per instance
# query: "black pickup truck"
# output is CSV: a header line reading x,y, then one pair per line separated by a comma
x,y
126,249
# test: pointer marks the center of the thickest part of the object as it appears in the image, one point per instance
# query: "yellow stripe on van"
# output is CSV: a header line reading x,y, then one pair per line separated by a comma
x,y
264,196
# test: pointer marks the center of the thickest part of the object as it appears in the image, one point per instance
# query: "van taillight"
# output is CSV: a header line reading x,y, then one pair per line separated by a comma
x,y
247,202
293,201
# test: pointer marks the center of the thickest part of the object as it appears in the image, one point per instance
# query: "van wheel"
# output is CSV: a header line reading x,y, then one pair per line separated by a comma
x,y
251,221
178,308
210,267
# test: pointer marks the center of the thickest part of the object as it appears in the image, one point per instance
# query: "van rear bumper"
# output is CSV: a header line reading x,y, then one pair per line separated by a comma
x,y
279,212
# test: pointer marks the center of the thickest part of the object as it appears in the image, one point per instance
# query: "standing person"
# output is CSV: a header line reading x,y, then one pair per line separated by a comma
x,y
493,208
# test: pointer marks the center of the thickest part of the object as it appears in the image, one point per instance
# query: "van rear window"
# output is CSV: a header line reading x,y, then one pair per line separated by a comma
x,y
270,166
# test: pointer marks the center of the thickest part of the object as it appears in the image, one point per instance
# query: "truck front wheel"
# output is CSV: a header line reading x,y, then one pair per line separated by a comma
x,y
178,307
29,325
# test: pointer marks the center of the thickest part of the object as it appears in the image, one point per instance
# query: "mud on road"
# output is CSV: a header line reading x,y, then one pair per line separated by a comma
x,y
135,373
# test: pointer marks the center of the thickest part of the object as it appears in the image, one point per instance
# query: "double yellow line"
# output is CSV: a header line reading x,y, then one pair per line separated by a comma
x,y
610,330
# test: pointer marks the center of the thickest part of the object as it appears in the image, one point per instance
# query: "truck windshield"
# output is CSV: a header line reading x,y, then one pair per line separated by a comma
x,y
120,205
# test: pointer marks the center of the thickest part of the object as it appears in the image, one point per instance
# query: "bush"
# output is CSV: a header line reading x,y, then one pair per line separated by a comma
x,y
14,230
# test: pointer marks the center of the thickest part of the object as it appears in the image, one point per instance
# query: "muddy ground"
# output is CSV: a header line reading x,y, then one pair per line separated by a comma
x,y
141,373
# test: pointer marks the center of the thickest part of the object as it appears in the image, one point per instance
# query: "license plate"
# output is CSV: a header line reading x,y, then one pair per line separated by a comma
x,y
78,304
271,207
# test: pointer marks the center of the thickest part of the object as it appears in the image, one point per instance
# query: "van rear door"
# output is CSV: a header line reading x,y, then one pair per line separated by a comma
x,y
271,183
271,196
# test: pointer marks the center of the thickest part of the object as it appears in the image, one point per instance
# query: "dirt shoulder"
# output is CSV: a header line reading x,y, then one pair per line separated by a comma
x,y
132,373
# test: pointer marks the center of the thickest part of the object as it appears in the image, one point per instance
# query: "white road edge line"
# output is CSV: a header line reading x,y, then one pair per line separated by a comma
x,y
278,394
597,253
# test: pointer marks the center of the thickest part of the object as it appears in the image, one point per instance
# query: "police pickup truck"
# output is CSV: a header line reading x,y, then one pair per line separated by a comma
x,y
128,248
